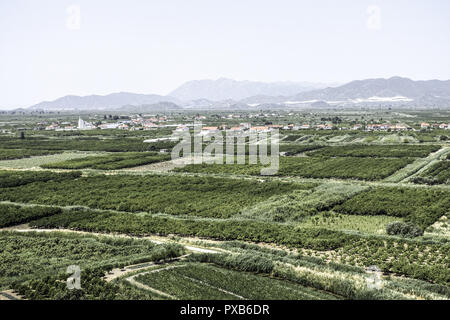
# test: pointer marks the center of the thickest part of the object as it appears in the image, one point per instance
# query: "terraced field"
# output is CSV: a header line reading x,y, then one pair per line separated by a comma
x,y
141,226
194,281
313,167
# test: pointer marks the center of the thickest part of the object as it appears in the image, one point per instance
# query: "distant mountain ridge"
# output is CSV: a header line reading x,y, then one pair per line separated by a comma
x,y
395,86
395,90
97,102
202,94
223,89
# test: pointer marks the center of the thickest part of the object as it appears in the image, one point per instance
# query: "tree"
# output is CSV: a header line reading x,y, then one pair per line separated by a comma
x,y
404,229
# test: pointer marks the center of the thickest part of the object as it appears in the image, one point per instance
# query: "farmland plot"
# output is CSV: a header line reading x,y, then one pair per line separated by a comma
x,y
37,161
314,167
199,196
36,255
202,282
438,173
383,151
11,154
420,206
13,215
111,162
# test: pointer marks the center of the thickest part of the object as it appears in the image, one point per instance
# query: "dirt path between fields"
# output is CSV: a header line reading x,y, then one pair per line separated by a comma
x,y
119,272
146,287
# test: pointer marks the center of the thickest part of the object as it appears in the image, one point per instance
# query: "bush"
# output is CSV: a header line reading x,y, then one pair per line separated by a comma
x,y
249,262
12,215
404,229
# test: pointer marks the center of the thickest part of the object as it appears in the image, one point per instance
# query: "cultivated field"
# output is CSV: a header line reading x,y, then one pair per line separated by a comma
x,y
350,214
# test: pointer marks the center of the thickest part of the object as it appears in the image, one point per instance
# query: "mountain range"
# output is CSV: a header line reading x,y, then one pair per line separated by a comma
x,y
223,89
232,94
97,102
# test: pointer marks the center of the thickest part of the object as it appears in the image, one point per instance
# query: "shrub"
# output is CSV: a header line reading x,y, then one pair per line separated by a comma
x,y
404,229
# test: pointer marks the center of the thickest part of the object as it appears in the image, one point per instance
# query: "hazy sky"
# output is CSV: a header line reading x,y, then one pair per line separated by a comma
x,y
47,50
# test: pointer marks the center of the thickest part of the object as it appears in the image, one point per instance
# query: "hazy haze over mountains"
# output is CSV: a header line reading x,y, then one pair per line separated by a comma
x,y
226,93
54,48
395,86
223,88
92,102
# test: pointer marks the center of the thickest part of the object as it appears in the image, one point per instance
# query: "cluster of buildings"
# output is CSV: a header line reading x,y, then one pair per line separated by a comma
x,y
60,127
248,127
427,126
387,127
243,127
401,127
140,123
137,123
368,127
67,126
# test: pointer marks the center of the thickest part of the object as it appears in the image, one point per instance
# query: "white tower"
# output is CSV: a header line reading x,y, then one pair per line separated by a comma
x,y
81,124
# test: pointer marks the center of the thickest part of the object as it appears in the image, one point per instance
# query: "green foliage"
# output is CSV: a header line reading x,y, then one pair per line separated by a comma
x,y
20,178
293,149
291,137
404,229
10,154
230,229
382,151
155,146
202,281
35,255
314,167
248,262
439,173
200,196
341,279
11,215
418,205
419,260
110,162
302,204
52,287
82,143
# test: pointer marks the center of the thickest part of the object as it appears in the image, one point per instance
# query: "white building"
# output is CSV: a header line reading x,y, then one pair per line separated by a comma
x,y
84,125
105,126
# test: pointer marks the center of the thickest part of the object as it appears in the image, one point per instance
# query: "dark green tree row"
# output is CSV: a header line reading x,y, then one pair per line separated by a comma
x,y
199,196
314,167
382,151
293,149
10,154
110,162
19,178
12,215
421,206
438,173
231,229
82,144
